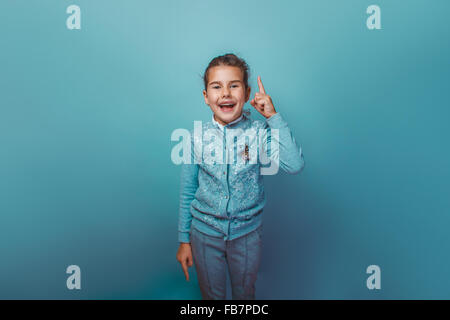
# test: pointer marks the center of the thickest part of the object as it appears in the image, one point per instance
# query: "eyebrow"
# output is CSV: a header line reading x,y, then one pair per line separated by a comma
x,y
218,82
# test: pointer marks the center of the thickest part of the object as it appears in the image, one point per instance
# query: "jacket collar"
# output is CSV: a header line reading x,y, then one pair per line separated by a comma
x,y
228,124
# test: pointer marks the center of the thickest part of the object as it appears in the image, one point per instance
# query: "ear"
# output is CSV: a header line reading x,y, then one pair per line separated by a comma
x,y
247,93
205,95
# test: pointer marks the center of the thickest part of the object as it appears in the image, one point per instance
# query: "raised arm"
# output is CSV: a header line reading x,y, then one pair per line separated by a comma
x,y
284,151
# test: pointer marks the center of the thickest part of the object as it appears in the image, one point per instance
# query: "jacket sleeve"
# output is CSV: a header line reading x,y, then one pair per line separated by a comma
x,y
188,188
284,150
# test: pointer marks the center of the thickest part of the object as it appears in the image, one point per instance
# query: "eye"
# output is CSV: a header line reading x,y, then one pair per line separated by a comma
x,y
216,87
235,86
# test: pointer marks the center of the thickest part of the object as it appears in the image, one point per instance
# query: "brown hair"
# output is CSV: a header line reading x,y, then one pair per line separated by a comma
x,y
231,60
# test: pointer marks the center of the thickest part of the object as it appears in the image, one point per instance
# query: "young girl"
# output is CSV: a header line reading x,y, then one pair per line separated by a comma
x,y
221,203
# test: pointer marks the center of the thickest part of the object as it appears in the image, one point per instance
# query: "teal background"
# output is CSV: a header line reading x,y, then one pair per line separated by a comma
x,y
86,117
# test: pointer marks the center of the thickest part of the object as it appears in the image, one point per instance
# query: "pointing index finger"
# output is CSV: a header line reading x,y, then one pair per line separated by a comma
x,y
260,85
185,270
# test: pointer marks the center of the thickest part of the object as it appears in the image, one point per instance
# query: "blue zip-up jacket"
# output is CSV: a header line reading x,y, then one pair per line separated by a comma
x,y
226,198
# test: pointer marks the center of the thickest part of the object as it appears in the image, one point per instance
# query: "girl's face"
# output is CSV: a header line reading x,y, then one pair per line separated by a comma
x,y
225,93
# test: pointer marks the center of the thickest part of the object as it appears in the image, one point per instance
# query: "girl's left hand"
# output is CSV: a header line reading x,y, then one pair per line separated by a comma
x,y
262,101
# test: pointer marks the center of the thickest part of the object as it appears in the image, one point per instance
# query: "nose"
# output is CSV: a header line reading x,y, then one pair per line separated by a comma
x,y
226,92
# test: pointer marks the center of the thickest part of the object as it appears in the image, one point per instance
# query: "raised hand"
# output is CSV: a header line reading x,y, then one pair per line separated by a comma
x,y
262,101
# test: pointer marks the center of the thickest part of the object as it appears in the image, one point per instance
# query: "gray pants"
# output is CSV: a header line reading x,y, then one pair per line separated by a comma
x,y
211,256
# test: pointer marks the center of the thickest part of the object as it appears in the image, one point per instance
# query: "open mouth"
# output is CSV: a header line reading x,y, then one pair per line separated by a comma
x,y
227,107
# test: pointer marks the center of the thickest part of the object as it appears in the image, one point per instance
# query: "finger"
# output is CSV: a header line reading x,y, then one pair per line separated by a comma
x,y
190,262
260,85
261,100
185,270
258,107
